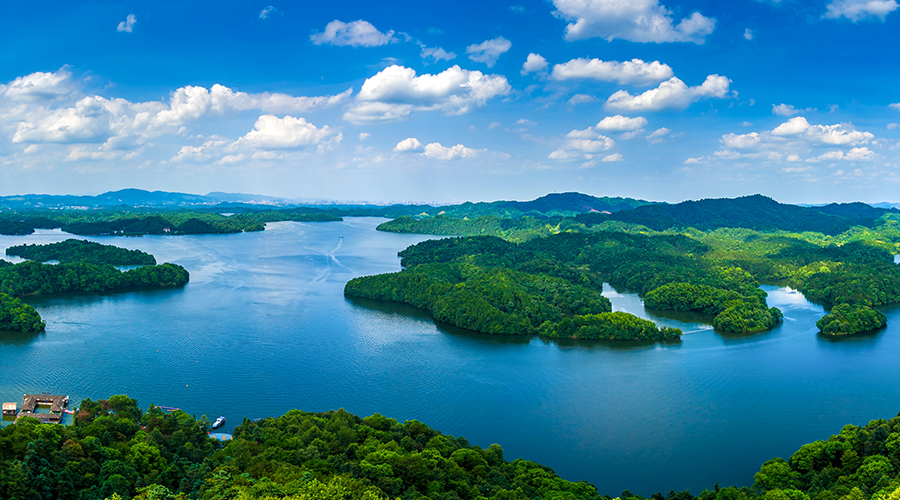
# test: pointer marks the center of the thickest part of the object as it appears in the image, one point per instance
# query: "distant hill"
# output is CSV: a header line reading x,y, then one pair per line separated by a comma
x,y
555,204
133,198
753,212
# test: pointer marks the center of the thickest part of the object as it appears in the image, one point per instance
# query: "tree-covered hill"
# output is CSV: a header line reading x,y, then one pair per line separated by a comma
x,y
115,450
82,251
752,212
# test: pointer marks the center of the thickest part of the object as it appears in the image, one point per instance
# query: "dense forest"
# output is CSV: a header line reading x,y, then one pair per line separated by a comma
x,y
82,251
17,316
132,222
114,450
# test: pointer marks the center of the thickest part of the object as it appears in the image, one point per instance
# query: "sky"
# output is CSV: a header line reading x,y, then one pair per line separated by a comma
x,y
443,102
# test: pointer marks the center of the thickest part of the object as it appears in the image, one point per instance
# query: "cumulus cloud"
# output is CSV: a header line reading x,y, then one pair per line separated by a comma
x,y
51,110
583,144
672,94
395,92
534,63
435,151
355,34
408,144
436,54
837,135
127,25
857,10
39,86
489,51
269,12
619,123
658,136
633,72
271,132
634,20
741,141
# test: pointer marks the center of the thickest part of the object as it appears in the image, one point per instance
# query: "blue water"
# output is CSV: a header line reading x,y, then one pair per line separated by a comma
x,y
263,327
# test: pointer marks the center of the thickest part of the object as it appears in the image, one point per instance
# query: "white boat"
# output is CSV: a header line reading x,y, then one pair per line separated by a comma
x,y
218,423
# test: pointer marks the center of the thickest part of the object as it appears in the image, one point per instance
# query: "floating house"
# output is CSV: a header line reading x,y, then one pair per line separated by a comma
x,y
58,405
9,409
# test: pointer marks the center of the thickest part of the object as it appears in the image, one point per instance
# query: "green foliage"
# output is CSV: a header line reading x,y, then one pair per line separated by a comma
x,y
610,326
15,228
733,312
82,251
31,278
846,319
17,316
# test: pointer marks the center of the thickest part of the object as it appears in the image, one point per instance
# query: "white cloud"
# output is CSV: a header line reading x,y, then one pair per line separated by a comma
x,y
837,135
619,123
39,86
408,144
271,132
202,153
364,136
748,34
230,159
892,126
859,154
583,144
397,91
581,99
672,94
793,158
526,122
435,151
633,20
633,72
658,136
436,54
612,157
127,25
896,106
268,12
534,63
741,141
788,110
355,34
489,51
857,10
493,125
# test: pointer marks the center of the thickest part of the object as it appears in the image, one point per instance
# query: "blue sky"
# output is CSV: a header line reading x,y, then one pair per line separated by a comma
x,y
452,101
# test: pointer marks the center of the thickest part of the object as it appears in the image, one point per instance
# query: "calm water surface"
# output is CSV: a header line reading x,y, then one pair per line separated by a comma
x,y
263,328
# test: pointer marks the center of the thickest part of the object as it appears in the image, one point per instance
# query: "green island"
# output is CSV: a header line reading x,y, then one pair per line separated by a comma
x,y
72,250
115,450
846,319
84,267
706,256
137,222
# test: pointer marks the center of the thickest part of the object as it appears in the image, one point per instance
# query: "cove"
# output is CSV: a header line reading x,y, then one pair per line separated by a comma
x,y
263,328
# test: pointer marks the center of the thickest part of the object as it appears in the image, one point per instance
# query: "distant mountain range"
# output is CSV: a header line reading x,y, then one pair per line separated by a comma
x,y
753,212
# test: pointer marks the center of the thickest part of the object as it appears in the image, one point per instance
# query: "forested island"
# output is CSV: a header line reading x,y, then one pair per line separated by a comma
x,y
84,267
706,256
82,251
116,450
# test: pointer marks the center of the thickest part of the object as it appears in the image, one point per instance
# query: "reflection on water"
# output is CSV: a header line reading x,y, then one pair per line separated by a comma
x,y
263,328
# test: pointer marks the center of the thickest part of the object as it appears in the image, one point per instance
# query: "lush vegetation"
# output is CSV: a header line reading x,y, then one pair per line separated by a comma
x,y
34,278
17,316
115,450
733,312
82,251
133,222
846,319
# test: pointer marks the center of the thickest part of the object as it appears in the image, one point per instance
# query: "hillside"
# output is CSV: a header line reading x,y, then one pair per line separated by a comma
x,y
755,212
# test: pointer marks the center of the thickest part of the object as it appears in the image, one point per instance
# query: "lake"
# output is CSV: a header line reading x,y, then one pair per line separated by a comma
x,y
263,328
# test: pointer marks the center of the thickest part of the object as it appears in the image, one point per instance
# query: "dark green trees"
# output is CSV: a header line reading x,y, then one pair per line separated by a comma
x,y
18,316
846,319
82,251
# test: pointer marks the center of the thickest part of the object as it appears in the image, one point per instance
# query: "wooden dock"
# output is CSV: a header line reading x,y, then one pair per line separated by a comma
x,y
58,405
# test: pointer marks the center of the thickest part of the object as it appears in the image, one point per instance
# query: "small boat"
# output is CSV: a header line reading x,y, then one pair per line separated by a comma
x,y
218,423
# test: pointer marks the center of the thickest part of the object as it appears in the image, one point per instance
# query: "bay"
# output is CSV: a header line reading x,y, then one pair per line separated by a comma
x,y
263,328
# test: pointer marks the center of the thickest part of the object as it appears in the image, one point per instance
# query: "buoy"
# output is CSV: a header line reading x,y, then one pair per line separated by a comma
x,y
185,385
